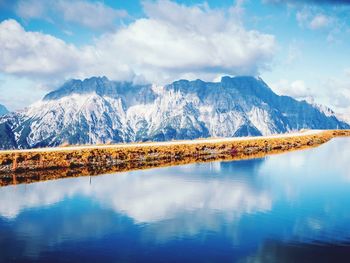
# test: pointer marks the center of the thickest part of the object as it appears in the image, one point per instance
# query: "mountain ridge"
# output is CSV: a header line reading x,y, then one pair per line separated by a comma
x,y
97,110
3,110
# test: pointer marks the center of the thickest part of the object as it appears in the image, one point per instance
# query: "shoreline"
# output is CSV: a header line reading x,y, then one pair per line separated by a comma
x,y
26,166
165,143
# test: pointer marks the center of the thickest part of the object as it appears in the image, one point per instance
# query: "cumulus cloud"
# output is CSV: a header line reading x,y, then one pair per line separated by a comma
x,y
145,197
319,21
296,89
307,17
31,9
94,15
206,43
333,91
41,56
341,98
326,19
325,93
33,53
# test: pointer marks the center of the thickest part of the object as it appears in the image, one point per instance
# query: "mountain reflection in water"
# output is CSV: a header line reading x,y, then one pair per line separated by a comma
x,y
283,208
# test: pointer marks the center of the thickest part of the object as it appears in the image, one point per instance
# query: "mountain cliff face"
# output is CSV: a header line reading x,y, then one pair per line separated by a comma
x,y
97,110
3,110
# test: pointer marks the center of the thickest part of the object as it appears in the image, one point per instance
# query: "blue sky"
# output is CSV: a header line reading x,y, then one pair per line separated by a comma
x,y
300,48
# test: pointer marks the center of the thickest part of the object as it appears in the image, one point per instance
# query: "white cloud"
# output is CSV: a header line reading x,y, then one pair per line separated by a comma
x,y
294,52
319,21
94,15
40,56
206,40
333,92
313,19
145,197
344,115
340,98
302,16
188,203
31,9
33,53
206,43
329,21
299,87
347,72
296,89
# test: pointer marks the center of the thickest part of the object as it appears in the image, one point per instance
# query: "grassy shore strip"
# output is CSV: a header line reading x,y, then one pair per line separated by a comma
x,y
23,166
39,175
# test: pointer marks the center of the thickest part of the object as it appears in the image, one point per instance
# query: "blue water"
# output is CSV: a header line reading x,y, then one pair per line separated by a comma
x,y
292,207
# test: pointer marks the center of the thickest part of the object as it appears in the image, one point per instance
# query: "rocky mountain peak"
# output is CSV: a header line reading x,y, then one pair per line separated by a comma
x,y
98,110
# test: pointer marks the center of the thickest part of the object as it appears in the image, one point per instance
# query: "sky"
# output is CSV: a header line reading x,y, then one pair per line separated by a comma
x,y
300,48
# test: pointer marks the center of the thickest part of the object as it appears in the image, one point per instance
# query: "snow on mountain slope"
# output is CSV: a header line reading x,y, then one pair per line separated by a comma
x,y
327,111
345,117
97,110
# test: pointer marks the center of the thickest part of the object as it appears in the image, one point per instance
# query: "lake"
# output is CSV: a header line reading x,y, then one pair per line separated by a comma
x,y
292,207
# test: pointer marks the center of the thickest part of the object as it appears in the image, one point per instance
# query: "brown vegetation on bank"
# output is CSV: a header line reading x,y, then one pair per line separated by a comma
x,y
31,166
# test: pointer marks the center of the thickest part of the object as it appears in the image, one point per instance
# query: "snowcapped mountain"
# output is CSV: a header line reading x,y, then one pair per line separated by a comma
x,y
3,110
97,110
329,112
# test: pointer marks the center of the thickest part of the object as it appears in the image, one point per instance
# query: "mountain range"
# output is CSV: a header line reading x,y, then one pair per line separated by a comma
x,y
97,110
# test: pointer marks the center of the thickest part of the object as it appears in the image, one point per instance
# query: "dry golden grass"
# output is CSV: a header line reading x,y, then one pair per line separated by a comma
x,y
24,167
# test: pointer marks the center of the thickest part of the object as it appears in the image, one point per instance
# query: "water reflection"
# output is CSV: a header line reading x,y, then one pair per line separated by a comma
x,y
247,211
147,196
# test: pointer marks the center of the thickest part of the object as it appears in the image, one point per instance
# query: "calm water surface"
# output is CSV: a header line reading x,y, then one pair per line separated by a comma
x,y
292,207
